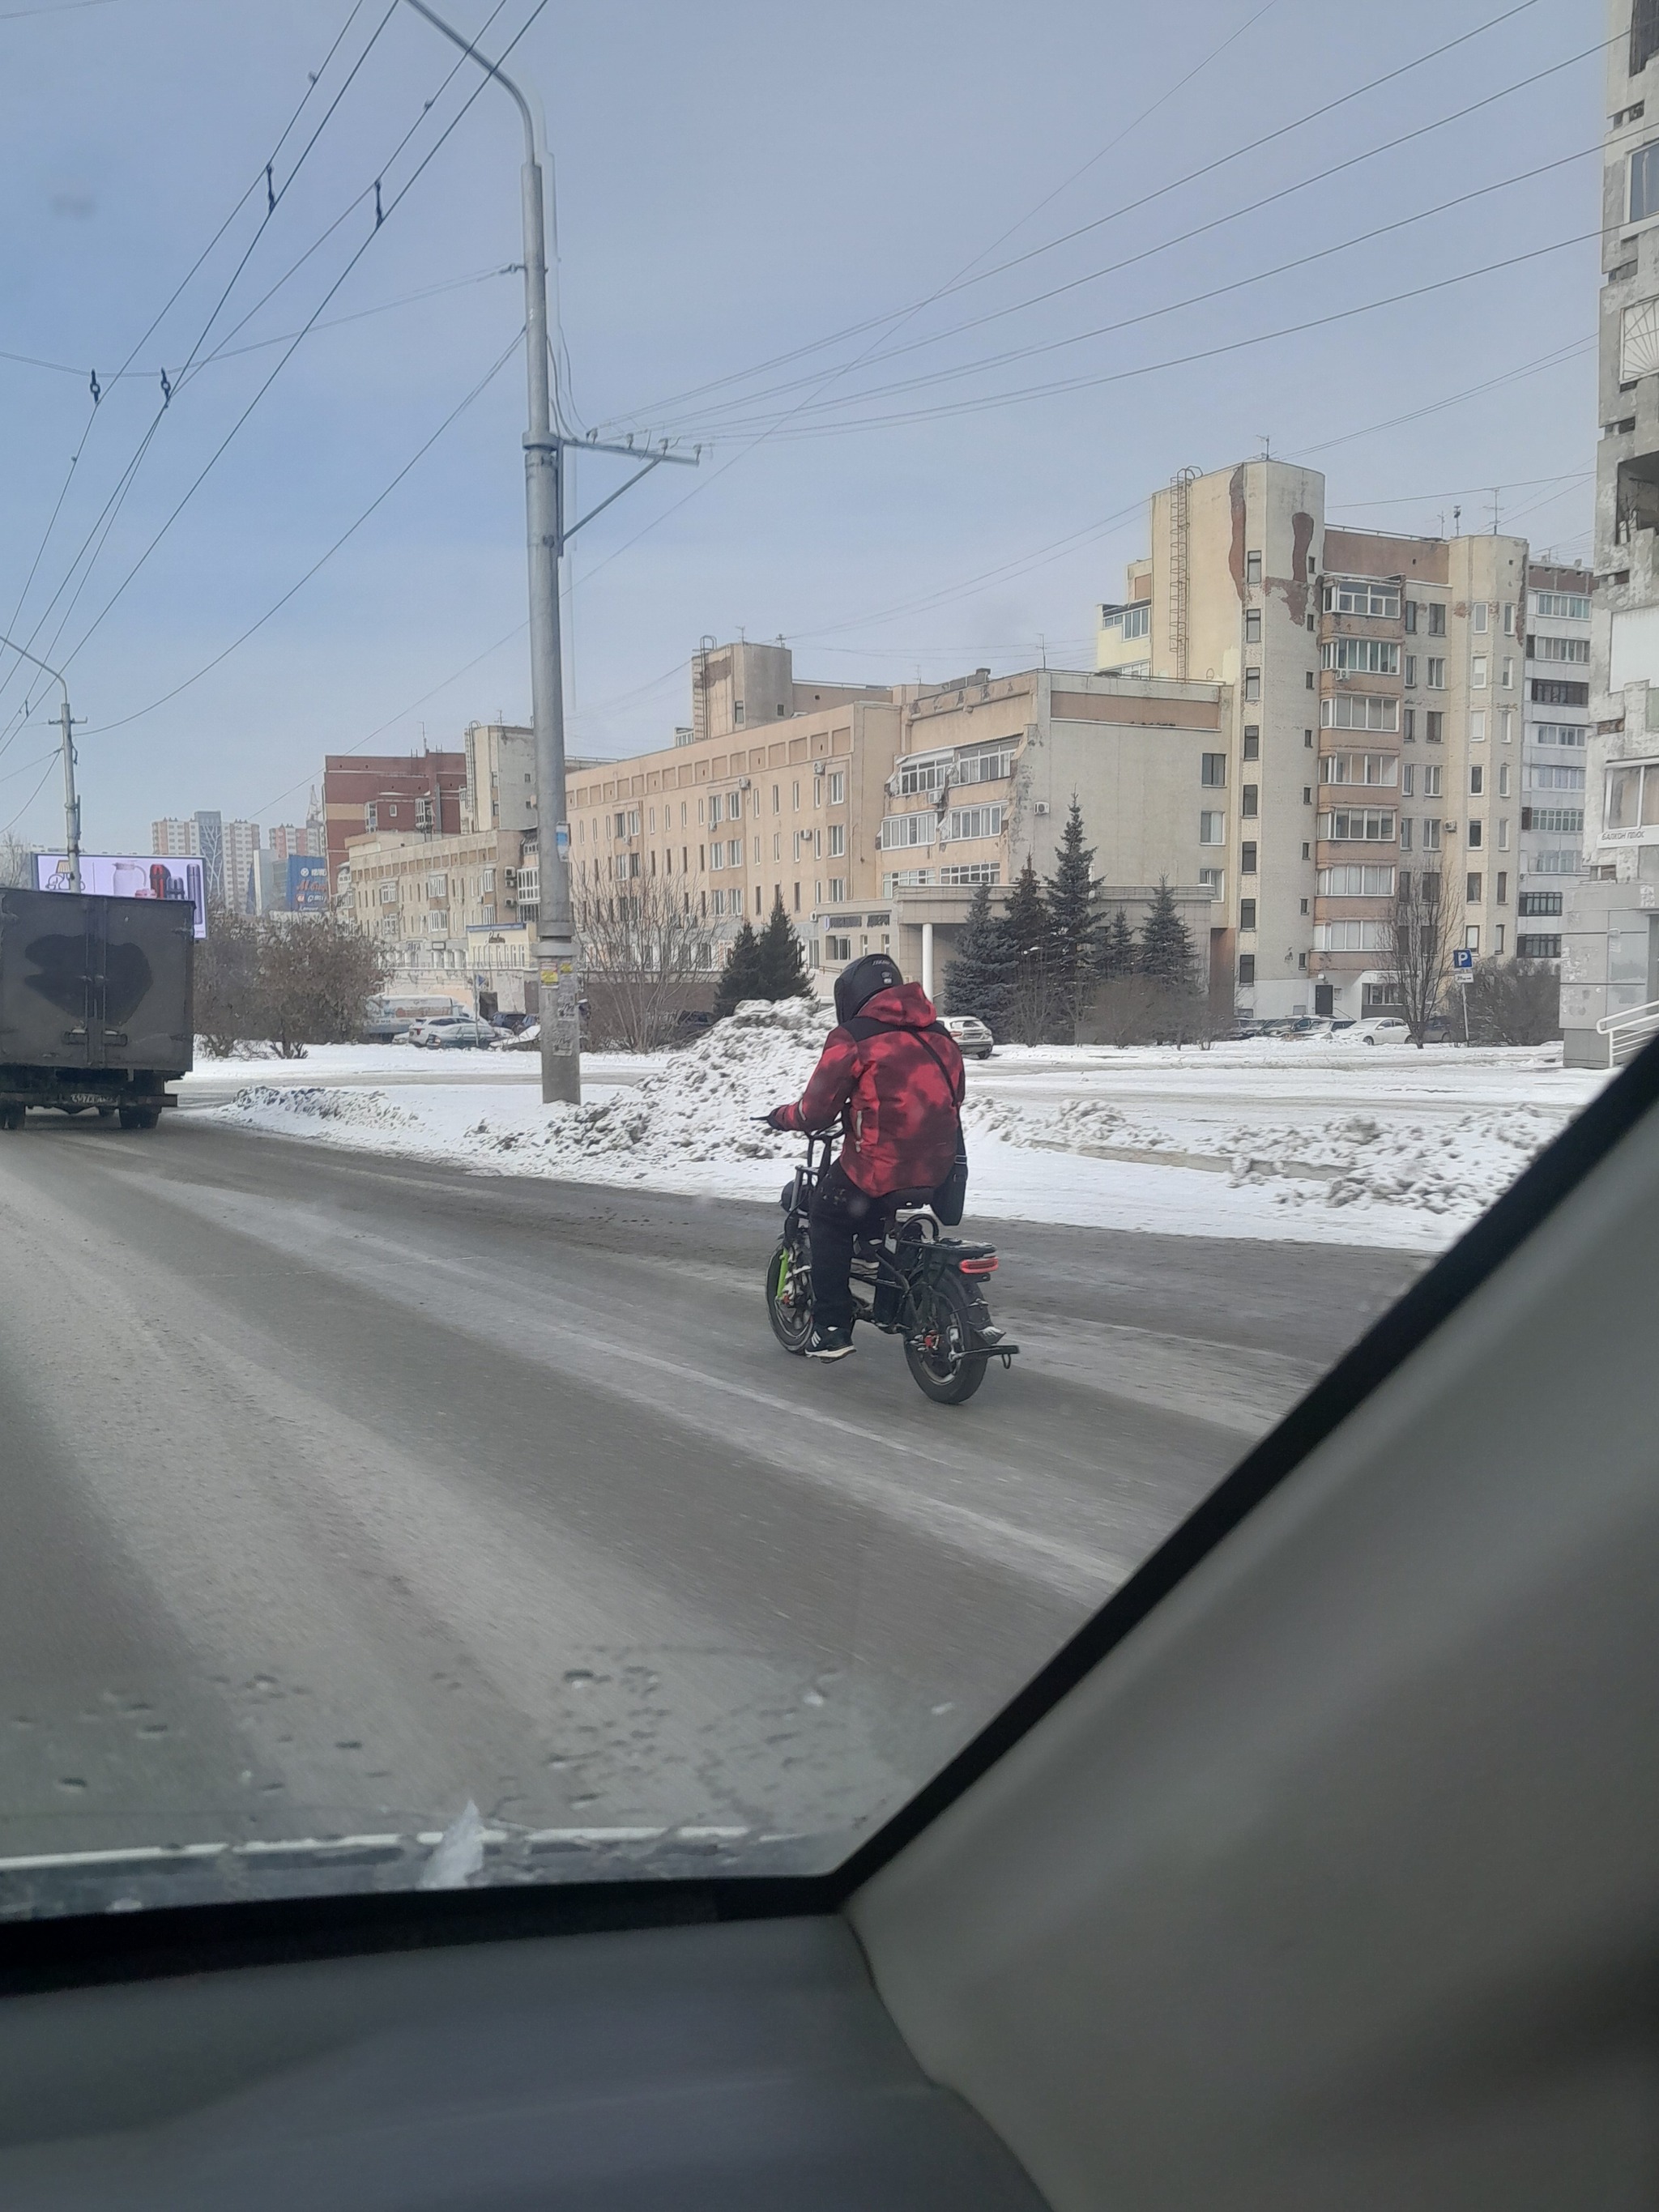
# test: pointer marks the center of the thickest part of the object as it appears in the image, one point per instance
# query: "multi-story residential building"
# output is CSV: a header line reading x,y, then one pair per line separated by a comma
x,y
174,838
1554,731
988,770
1609,947
446,908
1373,708
874,813
240,845
288,841
367,794
734,687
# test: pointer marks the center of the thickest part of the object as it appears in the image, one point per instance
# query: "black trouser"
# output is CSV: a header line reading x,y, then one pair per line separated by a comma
x,y
840,1210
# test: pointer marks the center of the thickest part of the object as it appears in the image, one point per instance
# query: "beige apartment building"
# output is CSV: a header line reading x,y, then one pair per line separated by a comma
x,y
874,812
1375,686
446,910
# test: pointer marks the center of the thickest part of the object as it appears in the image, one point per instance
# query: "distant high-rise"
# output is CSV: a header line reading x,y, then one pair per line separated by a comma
x,y
172,838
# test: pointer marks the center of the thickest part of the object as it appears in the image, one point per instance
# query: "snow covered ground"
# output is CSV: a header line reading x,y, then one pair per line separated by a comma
x,y
1306,1140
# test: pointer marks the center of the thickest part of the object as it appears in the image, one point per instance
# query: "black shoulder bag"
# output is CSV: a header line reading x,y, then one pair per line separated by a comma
x,y
950,1199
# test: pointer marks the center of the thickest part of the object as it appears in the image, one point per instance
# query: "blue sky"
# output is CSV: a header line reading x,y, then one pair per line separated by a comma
x,y
736,186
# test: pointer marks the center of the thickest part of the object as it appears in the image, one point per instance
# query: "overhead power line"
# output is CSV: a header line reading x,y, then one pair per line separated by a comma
x,y
965,281
351,531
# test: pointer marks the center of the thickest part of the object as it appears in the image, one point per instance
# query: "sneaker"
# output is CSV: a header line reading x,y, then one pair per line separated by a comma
x,y
830,1343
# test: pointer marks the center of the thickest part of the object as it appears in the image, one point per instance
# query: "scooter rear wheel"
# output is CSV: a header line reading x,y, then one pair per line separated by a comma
x,y
937,1353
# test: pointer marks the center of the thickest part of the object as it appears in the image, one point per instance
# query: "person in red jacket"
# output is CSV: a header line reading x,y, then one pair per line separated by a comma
x,y
894,1078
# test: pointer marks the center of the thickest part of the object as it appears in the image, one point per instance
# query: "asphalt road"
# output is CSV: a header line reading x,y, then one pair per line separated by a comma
x,y
339,1491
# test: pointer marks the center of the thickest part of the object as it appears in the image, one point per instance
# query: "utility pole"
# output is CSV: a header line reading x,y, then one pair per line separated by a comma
x,y
72,804
544,462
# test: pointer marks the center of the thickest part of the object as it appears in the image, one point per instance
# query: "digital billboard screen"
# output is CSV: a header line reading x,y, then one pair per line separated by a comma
x,y
113,875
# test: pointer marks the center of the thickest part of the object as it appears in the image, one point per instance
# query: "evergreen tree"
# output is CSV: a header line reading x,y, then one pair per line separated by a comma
x,y
1166,945
782,962
1033,998
976,977
742,976
1074,933
1120,955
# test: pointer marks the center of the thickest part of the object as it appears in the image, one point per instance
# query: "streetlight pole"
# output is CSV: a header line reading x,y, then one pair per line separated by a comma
x,y
544,464
72,804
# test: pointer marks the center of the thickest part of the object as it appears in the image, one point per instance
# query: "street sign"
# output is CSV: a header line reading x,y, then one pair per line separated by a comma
x,y
1462,958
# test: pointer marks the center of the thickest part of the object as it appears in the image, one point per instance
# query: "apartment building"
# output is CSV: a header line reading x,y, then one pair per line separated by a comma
x,y
1374,688
174,838
1609,947
789,808
873,812
1554,732
368,794
446,909
738,687
988,769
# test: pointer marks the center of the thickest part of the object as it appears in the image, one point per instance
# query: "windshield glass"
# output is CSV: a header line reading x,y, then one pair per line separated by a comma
x,y
462,1421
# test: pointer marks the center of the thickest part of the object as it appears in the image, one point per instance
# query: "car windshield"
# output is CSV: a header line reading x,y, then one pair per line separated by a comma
x,y
1188,711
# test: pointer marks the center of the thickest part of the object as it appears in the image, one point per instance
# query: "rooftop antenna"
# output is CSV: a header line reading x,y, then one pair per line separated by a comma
x,y
1267,446
1494,510
1457,520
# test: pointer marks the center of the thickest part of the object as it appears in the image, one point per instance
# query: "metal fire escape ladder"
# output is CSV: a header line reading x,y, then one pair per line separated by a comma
x,y
1179,566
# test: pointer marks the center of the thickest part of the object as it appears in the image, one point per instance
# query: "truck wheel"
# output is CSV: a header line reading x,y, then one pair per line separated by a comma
x,y
105,1113
12,1117
139,1117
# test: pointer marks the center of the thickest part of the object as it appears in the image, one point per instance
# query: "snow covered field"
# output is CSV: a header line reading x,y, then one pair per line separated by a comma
x,y
1306,1140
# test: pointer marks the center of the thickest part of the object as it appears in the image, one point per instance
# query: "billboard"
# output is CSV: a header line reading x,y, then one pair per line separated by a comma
x,y
122,876
307,884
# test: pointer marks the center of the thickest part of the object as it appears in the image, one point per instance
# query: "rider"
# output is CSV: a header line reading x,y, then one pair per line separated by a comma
x,y
895,1077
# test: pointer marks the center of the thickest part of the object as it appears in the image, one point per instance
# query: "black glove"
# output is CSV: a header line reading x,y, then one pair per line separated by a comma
x,y
778,1118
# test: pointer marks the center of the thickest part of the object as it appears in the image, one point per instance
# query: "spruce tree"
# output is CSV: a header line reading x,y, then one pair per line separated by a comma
x,y
782,962
742,976
1032,1000
977,975
1120,955
1074,932
1166,946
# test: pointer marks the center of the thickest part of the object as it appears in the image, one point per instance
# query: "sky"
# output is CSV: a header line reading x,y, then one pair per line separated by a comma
x,y
937,296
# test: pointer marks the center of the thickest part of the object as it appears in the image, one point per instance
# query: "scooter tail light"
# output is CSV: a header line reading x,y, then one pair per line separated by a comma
x,y
976,1266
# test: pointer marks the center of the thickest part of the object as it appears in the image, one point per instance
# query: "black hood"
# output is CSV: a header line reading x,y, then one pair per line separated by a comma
x,y
861,980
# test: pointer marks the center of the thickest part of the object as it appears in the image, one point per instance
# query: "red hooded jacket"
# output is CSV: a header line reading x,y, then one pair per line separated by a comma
x,y
897,1099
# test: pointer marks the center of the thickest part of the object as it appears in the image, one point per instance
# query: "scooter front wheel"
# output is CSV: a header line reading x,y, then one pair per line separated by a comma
x,y
789,1296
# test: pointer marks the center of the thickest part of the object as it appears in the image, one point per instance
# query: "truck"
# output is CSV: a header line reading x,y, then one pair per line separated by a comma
x,y
97,1006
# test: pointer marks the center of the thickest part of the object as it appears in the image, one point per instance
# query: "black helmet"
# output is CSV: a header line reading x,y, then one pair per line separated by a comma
x,y
859,982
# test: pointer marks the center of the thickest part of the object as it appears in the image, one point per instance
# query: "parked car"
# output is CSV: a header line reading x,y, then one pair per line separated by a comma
x,y
1386,1029
451,1032
971,1035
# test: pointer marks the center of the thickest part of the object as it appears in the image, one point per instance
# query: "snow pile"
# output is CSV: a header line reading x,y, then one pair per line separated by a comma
x,y
355,1110
699,1107
1457,1169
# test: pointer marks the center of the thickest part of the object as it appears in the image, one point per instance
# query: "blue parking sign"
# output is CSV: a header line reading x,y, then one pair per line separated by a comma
x,y
1462,957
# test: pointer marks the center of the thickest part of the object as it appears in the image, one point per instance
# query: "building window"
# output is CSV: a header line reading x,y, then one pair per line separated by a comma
x,y
1411,672
1478,673
1212,828
1430,835
1503,779
1361,595
1247,969
1472,890
1537,902
837,890
975,822
1437,619
837,948
370,816
1307,673
1503,887
1573,606
1506,673
1551,691
896,830
1358,768
1561,821
1362,656
1252,682
1434,725
1554,775
1253,741
915,775
1568,734
1509,617
1437,675
1253,568
1357,824
1213,769
1477,777
1359,710
1247,913
837,788
1252,625
837,840
1210,879
1528,947
1353,881
1350,936
1247,857
987,765
1472,938
1408,726
1644,162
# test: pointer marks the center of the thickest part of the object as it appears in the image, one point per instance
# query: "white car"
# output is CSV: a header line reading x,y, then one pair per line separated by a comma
x,y
973,1038
1387,1029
